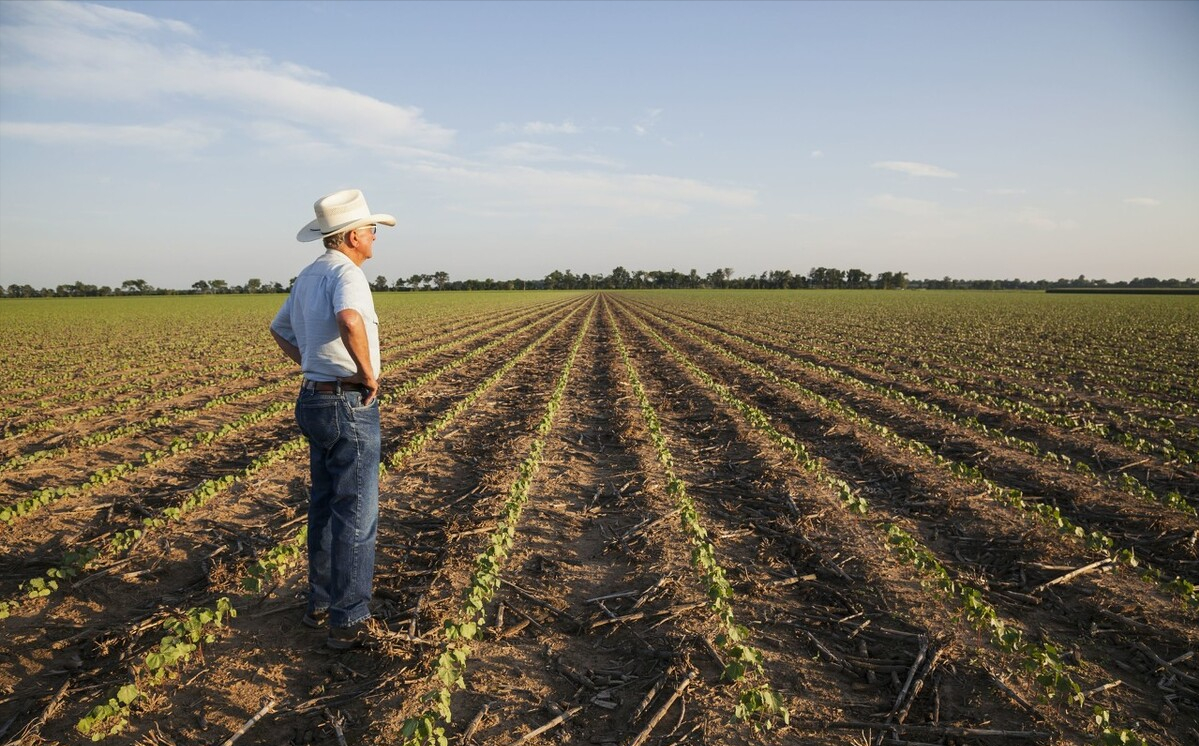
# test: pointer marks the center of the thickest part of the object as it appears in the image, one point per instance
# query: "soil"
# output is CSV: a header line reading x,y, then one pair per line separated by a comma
x,y
601,631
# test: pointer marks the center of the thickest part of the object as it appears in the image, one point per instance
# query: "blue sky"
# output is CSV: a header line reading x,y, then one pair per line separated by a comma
x,y
177,141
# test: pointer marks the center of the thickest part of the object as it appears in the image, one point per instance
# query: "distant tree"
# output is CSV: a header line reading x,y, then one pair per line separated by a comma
x,y
136,286
253,285
620,278
856,278
380,283
219,286
200,286
440,279
399,283
826,277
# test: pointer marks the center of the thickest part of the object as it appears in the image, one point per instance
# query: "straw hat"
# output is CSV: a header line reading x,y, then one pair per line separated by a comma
x,y
339,212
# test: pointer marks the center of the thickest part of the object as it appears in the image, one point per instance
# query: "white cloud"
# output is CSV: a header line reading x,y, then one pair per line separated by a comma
x,y
916,169
178,137
546,128
523,188
1043,221
1142,201
530,152
817,153
292,142
100,18
110,55
1005,192
904,205
567,127
647,122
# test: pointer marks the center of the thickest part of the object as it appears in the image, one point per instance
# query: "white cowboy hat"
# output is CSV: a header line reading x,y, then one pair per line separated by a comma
x,y
340,212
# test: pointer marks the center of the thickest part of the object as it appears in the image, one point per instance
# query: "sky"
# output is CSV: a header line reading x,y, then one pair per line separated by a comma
x,y
179,141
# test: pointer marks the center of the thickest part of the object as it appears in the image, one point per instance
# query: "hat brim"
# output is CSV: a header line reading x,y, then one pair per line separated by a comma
x,y
312,231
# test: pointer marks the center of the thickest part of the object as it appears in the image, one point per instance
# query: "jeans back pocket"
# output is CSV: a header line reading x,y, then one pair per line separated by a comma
x,y
319,419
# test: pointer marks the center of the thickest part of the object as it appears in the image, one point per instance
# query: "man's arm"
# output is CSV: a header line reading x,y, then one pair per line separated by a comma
x,y
288,348
353,336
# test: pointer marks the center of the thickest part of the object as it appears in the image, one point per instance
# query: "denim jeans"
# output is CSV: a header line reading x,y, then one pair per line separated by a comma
x,y
343,508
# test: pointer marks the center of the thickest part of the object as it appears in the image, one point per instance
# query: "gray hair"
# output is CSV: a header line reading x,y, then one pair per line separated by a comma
x,y
334,240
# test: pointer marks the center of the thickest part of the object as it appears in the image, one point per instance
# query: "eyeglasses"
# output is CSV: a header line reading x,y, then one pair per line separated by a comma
x,y
371,228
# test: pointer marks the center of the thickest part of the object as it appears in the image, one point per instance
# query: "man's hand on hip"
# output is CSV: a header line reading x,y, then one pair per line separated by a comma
x,y
370,383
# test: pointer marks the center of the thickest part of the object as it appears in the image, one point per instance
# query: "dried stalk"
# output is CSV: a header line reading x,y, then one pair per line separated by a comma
x,y
549,726
661,712
250,723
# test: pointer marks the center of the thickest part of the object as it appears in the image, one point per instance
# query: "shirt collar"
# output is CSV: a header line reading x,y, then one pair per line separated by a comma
x,y
338,256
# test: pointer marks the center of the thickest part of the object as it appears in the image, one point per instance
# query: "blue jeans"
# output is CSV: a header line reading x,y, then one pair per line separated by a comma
x,y
343,508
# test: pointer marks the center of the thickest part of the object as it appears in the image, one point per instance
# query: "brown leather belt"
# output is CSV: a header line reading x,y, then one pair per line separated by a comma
x,y
332,387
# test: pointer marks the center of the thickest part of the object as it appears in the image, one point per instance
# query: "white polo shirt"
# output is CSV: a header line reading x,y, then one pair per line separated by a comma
x,y
308,318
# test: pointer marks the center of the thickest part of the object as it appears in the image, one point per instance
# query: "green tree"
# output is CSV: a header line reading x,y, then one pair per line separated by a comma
x,y
136,286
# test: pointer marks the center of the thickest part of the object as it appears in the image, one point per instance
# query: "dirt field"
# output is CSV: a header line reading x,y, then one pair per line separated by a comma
x,y
935,522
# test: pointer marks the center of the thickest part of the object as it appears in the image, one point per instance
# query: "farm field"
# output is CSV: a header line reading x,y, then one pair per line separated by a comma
x,y
673,517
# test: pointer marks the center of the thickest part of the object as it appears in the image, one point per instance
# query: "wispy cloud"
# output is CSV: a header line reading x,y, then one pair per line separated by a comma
x,y
904,205
530,152
566,127
1142,201
1006,191
648,122
288,141
108,55
817,153
627,195
1044,221
916,169
177,137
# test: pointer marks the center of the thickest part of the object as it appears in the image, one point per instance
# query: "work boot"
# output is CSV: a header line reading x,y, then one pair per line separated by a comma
x,y
347,638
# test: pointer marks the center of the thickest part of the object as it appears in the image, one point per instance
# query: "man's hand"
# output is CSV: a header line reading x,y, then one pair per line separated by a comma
x,y
371,384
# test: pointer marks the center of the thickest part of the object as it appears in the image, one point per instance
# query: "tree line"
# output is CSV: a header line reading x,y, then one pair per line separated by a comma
x,y
829,278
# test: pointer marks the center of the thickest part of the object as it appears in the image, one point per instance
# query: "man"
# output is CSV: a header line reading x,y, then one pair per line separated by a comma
x,y
328,326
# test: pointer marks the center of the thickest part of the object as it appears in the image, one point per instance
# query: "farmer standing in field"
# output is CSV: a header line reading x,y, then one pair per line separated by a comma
x,y
329,327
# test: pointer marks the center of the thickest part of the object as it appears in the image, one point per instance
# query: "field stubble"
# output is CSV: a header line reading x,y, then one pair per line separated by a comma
x,y
603,627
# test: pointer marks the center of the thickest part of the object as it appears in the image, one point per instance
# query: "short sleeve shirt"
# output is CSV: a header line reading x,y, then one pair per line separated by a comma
x,y
308,318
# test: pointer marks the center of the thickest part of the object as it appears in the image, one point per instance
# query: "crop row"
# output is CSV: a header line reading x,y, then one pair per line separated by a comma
x,y
1043,660
865,340
111,715
425,727
192,385
45,495
1050,515
1124,481
758,703
78,560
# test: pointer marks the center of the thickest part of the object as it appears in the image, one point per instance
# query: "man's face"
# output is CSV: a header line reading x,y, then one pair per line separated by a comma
x,y
366,240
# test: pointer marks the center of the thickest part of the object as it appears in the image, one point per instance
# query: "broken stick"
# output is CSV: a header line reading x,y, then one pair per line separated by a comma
x,y
661,713
250,723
